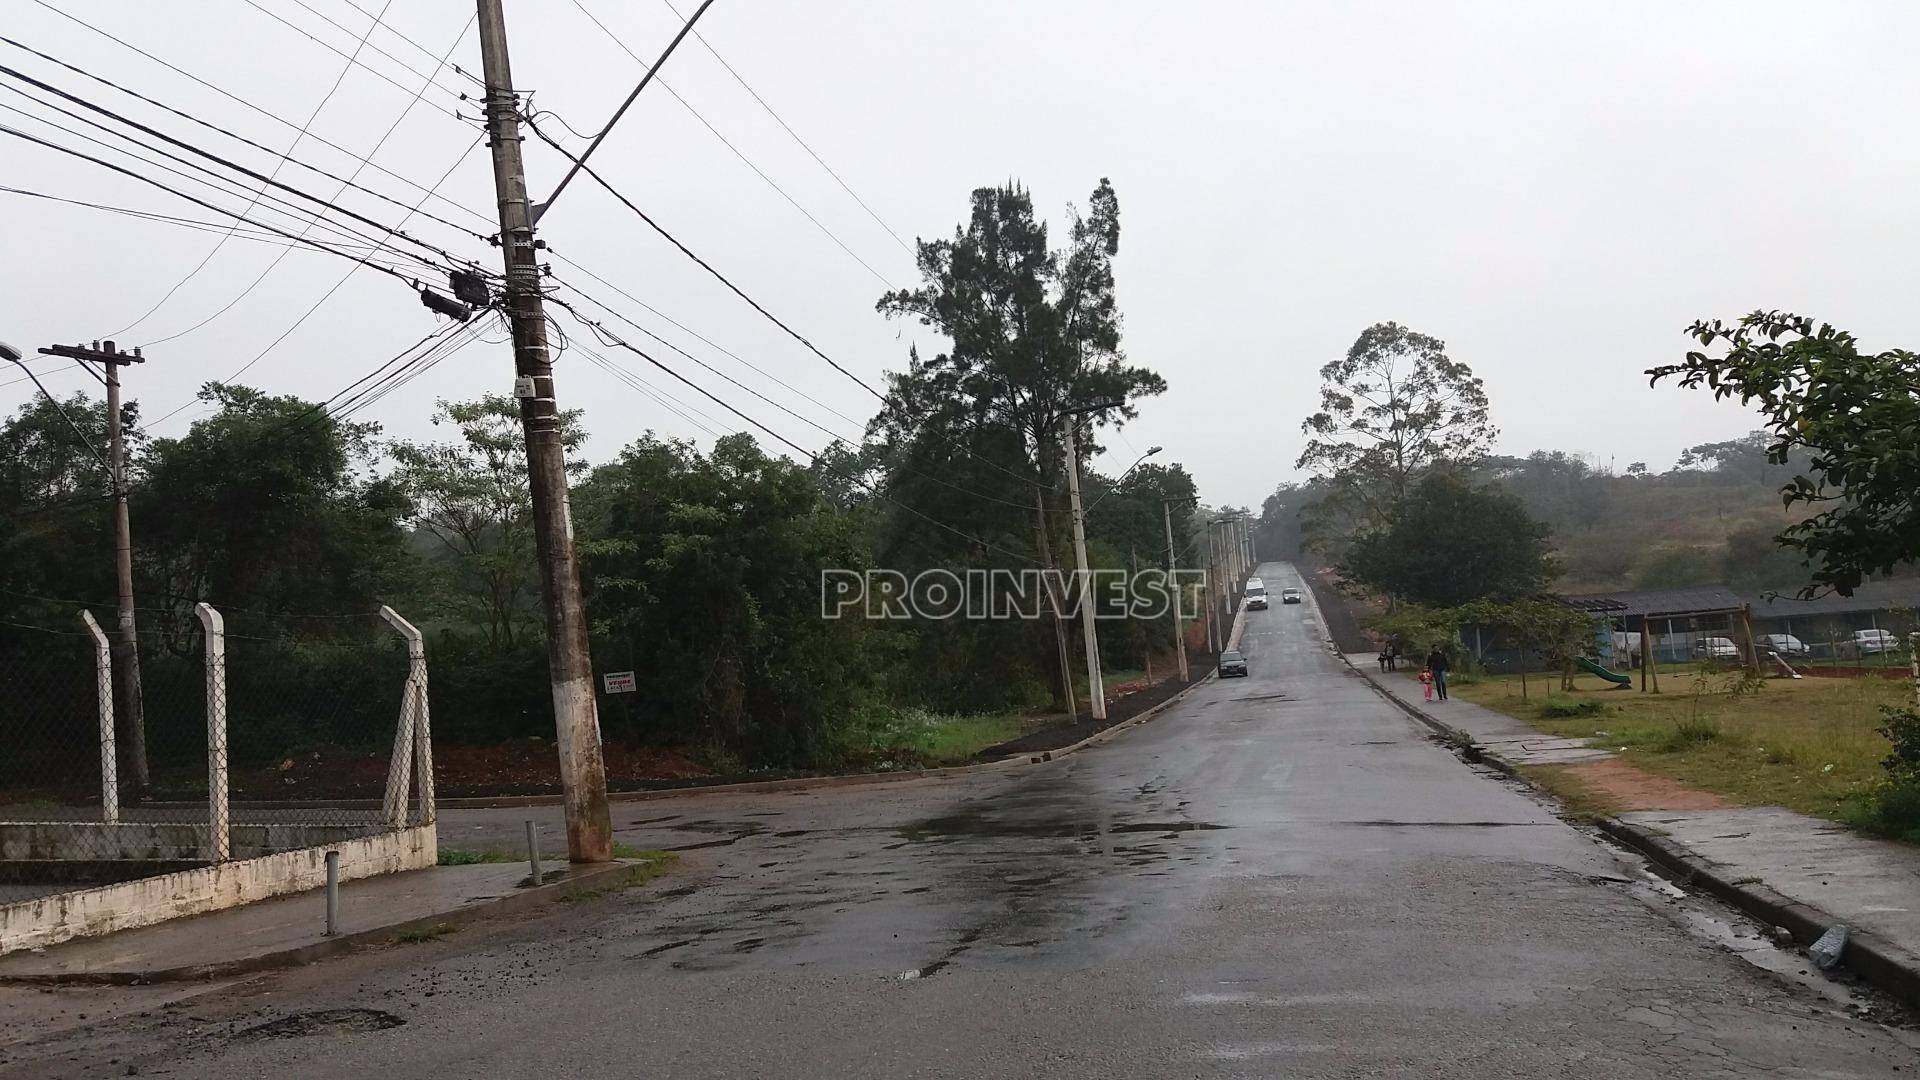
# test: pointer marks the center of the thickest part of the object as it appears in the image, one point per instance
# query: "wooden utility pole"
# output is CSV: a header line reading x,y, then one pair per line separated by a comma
x,y
126,657
1179,628
583,775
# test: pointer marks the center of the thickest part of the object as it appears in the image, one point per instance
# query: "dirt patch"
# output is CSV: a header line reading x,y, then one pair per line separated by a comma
x,y
1618,785
526,766
1124,703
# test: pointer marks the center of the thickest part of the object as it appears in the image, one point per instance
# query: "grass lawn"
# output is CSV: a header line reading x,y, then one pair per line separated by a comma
x,y
912,738
1809,745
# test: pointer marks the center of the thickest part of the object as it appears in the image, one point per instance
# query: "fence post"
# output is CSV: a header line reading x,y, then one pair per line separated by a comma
x,y
1913,663
109,766
218,837
412,738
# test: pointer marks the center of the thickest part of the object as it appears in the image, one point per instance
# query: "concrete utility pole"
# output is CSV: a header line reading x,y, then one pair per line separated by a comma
x,y
583,774
1059,628
1213,593
1179,630
126,658
1096,691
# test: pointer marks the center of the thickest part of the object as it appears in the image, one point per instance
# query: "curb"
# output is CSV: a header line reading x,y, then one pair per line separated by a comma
x,y
1873,958
523,900
1880,962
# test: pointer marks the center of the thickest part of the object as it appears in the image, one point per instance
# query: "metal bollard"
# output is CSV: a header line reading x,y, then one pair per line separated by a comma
x,y
333,893
533,851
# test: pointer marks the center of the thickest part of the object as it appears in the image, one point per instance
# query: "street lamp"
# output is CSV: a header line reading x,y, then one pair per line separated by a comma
x,y
1151,450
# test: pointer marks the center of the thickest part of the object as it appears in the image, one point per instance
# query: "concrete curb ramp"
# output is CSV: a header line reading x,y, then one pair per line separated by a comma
x,y
1873,958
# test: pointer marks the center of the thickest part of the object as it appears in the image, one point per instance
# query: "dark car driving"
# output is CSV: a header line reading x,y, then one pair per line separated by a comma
x,y
1232,663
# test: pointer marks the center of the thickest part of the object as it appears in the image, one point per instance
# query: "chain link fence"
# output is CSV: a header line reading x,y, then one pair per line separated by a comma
x,y
238,735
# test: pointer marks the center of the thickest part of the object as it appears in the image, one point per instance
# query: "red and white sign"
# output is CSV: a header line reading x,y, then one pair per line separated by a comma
x,y
619,682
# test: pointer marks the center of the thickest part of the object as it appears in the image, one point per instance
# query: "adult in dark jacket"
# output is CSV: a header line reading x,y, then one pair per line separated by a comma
x,y
1437,663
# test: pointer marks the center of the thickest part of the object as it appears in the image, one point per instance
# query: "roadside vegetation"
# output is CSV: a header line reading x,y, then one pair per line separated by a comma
x,y
702,564
1811,745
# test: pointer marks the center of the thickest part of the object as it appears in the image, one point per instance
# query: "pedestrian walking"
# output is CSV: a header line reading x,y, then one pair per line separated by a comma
x,y
1438,666
1385,658
1426,684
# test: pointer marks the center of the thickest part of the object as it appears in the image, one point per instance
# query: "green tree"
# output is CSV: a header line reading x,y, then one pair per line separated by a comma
x,y
1855,415
705,575
56,525
1395,406
471,496
1537,626
970,441
269,504
1755,560
1452,543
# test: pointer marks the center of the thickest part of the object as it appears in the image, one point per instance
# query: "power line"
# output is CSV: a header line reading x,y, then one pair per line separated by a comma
x,y
17,133
224,185
751,302
708,267
709,367
237,99
844,186
697,336
829,433
615,339
388,134
235,166
579,162
195,224
351,60
377,22
258,192
651,71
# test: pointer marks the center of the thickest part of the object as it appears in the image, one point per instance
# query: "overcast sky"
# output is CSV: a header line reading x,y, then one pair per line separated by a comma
x,y
1555,190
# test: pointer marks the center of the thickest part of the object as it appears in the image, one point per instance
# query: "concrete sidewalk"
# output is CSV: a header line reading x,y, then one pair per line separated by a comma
x,y
1513,740
1782,867
290,930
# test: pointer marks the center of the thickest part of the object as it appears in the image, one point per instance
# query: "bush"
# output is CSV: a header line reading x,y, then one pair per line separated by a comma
x,y
1688,734
1568,708
1902,729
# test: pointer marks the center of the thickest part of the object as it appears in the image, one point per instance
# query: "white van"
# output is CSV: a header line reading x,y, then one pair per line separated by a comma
x,y
1256,595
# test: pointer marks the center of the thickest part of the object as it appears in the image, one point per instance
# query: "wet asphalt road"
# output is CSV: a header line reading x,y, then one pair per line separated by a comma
x,y
1280,876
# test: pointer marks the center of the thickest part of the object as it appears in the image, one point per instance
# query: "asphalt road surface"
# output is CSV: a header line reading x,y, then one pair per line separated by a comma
x,y
1280,876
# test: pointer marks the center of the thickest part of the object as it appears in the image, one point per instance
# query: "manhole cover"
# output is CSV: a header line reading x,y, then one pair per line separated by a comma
x,y
320,1021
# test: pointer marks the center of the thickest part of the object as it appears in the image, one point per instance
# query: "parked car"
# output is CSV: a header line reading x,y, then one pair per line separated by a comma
x,y
1874,642
1232,663
1715,648
1786,645
1289,596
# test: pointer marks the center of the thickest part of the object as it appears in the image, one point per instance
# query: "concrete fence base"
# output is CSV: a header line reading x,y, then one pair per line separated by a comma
x,y
48,920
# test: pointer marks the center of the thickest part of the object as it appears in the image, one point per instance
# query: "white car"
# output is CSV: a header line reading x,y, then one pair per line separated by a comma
x,y
1256,595
1874,642
1786,645
1715,648
1289,596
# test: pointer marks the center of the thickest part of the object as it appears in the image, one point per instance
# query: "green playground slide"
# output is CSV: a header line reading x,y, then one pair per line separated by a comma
x,y
1613,677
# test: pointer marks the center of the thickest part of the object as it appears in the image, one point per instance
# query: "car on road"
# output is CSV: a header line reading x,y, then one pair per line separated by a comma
x,y
1715,648
1289,596
1256,595
1874,642
1786,645
1232,663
